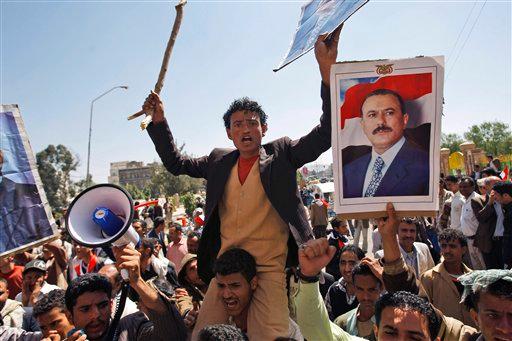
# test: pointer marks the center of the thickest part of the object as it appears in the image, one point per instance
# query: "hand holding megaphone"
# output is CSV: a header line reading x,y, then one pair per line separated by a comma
x,y
102,215
128,259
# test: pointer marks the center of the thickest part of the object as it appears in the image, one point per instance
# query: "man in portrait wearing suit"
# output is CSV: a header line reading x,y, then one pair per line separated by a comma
x,y
22,215
396,166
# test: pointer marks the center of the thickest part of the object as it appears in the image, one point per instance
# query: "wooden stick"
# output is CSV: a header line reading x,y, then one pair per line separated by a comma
x,y
165,62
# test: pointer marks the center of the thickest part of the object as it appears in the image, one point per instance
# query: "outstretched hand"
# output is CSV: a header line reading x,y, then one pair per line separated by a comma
x,y
314,256
326,52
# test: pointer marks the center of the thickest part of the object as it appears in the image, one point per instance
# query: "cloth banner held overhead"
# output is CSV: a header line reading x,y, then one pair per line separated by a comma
x,y
25,215
318,18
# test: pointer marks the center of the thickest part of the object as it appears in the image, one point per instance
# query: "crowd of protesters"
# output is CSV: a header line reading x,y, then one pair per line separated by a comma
x,y
255,264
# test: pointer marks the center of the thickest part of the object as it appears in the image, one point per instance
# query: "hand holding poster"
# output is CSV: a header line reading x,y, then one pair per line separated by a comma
x,y
318,18
386,133
25,215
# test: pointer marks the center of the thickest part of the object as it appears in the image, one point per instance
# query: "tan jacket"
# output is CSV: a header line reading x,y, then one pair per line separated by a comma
x,y
437,285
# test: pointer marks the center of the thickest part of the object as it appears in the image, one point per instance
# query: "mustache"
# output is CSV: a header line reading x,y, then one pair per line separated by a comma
x,y
383,128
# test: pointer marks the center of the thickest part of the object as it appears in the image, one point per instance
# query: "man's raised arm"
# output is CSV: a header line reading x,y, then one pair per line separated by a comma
x,y
397,275
163,140
309,147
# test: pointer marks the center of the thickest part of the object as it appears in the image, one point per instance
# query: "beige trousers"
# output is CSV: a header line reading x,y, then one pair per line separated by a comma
x,y
268,316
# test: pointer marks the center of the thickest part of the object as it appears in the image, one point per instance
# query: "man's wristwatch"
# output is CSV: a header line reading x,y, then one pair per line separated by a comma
x,y
308,279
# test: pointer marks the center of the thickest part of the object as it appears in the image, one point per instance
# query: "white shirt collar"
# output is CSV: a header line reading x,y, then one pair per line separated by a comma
x,y
389,155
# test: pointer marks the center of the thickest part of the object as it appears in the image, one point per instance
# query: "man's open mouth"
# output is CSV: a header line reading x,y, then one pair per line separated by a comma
x,y
246,139
231,304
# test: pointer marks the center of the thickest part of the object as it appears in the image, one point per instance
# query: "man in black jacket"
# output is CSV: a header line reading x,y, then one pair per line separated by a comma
x,y
280,207
503,195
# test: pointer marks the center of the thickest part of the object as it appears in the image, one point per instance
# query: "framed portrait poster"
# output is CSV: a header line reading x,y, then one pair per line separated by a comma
x,y
386,126
25,216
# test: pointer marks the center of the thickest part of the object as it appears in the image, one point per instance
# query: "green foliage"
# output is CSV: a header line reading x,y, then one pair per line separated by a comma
x,y
451,141
164,184
55,164
188,202
80,186
493,137
137,193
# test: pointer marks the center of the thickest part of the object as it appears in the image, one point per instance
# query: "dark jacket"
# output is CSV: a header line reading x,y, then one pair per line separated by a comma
x,y
486,216
408,174
279,161
156,326
507,234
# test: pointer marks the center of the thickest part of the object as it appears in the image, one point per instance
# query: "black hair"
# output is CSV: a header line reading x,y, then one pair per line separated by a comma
x,y
90,282
193,234
317,196
53,299
451,178
453,234
149,243
410,221
468,179
163,286
363,270
335,222
382,92
407,301
489,171
178,227
503,187
354,249
244,104
236,260
222,332
158,221
500,288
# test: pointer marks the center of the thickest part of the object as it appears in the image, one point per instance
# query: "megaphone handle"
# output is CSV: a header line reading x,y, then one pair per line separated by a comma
x,y
124,272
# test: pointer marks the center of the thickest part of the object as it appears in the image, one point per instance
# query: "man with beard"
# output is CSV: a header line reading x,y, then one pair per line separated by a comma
x,y
395,166
89,302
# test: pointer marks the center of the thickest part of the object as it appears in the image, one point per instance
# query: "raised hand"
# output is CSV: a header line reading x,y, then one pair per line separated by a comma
x,y
314,256
128,258
326,52
154,105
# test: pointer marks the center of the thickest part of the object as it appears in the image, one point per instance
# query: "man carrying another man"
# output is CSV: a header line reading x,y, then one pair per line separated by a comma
x,y
252,199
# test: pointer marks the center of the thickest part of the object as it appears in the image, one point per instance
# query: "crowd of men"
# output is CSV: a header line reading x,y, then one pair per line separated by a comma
x,y
255,265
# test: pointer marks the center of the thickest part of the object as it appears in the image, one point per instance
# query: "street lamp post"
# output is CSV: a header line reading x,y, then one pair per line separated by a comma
x,y
87,179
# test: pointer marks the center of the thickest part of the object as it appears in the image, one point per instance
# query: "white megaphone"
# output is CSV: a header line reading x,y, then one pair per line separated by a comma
x,y
102,215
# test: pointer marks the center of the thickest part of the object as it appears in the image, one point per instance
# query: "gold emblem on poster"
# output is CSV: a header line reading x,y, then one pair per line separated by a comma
x,y
384,69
